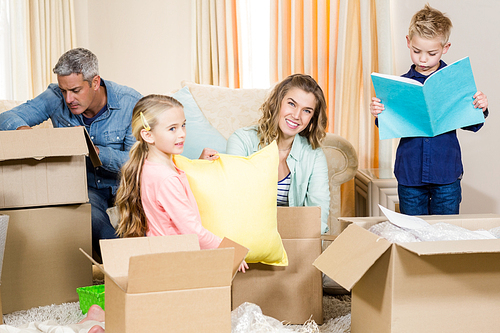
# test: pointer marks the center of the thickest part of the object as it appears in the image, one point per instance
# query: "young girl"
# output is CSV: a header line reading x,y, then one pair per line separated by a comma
x,y
154,197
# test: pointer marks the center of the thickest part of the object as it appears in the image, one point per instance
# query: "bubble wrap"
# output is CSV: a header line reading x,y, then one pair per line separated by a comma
x,y
248,318
495,232
436,232
4,221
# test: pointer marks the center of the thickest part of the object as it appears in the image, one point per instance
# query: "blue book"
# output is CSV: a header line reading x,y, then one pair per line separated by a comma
x,y
442,104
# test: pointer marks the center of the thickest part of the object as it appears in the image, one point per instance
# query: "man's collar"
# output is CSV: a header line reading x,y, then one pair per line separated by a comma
x,y
112,100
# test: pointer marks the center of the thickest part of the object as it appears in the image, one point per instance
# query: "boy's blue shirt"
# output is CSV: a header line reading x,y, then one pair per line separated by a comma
x,y
436,160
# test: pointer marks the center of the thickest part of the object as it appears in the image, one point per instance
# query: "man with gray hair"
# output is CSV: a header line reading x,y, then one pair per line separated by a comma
x,y
82,98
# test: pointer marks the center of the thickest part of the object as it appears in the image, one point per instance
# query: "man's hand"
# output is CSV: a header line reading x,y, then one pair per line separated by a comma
x,y
480,101
376,107
23,128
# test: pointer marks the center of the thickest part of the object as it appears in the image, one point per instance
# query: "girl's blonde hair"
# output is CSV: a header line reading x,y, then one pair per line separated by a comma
x,y
268,125
133,222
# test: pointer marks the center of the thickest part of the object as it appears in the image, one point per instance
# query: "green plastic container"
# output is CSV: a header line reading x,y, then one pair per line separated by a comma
x,y
91,295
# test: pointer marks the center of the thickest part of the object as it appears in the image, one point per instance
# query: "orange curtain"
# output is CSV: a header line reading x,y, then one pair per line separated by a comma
x,y
336,42
216,43
304,40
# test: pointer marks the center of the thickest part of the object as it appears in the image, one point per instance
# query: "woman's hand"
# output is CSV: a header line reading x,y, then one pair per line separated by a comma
x,y
209,154
376,107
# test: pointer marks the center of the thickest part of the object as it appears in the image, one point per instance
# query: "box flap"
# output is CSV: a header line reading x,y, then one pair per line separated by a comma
x,y
453,247
328,237
116,253
350,255
94,157
180,270
240,253
365,222
120,282
68,141
299,222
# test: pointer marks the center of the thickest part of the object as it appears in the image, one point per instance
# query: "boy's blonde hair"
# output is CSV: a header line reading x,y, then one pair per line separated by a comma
x,y
133,222
430,23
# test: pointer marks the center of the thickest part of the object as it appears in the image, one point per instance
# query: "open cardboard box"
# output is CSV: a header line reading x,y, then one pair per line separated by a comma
x,y
443,286
46,166
4,222
42,264
290,293
166,283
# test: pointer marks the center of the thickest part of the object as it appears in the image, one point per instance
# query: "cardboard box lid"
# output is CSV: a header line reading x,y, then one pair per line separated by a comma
x,y
51,142
180,270
166,263
116,254
350,255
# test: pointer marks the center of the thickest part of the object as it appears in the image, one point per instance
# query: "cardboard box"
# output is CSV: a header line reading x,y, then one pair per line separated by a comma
x,y
445,286
42,264
293,293
4,222
160,284
44,167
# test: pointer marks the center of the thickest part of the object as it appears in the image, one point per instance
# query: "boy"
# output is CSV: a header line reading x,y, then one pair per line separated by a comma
x,y
429,170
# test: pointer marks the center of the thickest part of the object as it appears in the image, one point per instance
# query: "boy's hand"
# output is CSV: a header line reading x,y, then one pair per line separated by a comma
x,y
376,107
209,154
480,101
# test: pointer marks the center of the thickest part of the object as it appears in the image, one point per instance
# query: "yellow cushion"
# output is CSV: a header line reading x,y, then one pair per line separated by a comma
x,y
236,197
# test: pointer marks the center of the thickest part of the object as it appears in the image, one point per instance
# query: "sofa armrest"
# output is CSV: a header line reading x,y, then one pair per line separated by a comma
x,y
342,161
341,157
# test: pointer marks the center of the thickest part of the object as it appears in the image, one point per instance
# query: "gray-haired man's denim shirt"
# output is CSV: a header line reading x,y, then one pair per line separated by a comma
x,y
111,132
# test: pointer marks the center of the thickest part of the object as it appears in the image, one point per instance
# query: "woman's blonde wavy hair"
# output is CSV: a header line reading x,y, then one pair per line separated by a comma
x,y
133,222
268,126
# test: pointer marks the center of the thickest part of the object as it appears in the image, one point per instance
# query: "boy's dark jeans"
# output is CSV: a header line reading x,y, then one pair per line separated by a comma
x,y
430,199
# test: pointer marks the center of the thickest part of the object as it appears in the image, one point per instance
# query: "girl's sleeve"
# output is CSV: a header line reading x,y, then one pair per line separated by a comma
x,y
173,198
318,189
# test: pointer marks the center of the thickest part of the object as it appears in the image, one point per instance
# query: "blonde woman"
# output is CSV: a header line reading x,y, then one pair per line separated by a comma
x,y
294,115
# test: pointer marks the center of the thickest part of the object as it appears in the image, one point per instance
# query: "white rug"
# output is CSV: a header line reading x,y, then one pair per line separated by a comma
x,y
247,318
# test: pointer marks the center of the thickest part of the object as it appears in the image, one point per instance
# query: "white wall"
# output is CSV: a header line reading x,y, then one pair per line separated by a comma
x,y
142,44
475,34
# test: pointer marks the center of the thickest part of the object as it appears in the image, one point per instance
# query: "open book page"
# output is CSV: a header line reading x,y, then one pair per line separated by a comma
x,y
442,104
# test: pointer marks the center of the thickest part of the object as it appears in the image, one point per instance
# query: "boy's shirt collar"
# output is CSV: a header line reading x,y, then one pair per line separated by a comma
x,y
414,74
